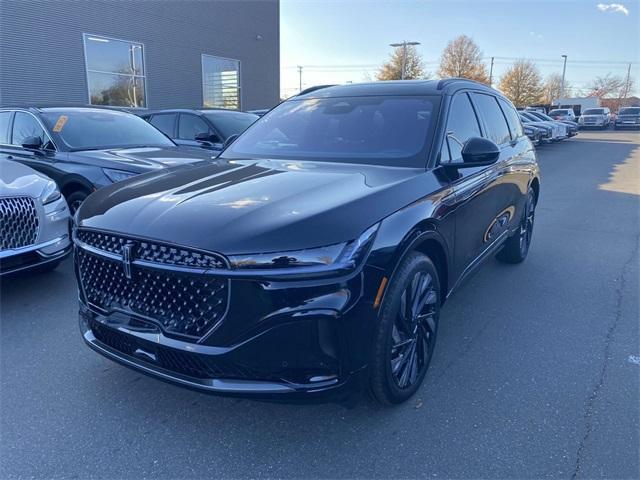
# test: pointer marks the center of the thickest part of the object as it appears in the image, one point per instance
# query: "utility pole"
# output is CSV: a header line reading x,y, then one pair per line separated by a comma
x,y
564,71
491,73
627,86
404,55
300,77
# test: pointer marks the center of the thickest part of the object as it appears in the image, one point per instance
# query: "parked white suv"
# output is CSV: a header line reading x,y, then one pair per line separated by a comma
x,y
562,114
34,218
595,117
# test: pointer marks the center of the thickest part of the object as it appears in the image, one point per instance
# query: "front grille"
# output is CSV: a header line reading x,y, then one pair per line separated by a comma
x,y
192,365
19,222
151,251
183,304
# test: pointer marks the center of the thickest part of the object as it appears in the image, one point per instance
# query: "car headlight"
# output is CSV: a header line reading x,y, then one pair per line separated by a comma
x,y
117,175
51,193
337,256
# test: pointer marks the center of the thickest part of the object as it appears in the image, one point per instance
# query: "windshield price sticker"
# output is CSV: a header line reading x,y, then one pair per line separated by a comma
x,y
60,123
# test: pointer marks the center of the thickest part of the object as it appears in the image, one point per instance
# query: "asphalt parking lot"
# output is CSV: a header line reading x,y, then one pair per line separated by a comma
x,y
536,372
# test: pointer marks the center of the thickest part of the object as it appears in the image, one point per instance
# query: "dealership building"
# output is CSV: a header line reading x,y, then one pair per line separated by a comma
x,y
140,53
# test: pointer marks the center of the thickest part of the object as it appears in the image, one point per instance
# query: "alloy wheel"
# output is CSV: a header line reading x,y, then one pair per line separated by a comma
x,y
414,330
526,227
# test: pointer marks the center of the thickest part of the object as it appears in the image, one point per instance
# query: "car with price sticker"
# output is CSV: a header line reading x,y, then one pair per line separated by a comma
x,y
85,148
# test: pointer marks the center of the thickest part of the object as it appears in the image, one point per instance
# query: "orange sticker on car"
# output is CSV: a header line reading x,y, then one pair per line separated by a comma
x,y
62,119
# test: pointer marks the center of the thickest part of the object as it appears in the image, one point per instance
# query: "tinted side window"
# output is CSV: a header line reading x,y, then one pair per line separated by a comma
x,y
462,124
24,125
512,119
165,123
493,118
190,126
4,127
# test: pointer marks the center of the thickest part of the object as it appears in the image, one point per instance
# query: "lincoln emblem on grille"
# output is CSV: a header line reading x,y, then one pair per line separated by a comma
x,y
127,253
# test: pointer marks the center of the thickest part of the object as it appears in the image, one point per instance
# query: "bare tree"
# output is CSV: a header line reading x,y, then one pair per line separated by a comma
x,y
522,84
627,87
552,88
606,86
392,69
463,58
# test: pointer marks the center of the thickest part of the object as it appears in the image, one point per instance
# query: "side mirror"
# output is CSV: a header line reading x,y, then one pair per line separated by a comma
x,y
32,143
230,139
207,137
479,152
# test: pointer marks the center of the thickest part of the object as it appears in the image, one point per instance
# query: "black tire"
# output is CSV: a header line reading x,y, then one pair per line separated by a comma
x,y
516,248
403,347
75,199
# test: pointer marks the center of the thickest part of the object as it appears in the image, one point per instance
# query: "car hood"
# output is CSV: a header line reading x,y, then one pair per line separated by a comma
x,y
251,206
143,159
17,179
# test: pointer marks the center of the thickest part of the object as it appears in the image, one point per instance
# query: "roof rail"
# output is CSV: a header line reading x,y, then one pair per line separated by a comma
x,y
446,81
314,88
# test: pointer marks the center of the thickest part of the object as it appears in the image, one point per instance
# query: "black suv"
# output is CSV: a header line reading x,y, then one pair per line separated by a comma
x,y
312,258
206,128
628,117
83,148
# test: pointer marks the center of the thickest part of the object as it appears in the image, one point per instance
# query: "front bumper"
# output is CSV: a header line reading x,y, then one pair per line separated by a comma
x,y
34,256
313,349
627,124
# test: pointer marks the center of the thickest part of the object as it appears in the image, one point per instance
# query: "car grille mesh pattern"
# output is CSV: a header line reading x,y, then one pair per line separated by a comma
x,y
191,365
150,251
18,222
183,304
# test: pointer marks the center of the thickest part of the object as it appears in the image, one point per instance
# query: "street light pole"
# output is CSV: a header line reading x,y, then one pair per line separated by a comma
x,y
564,71
491,73
404,55
300,77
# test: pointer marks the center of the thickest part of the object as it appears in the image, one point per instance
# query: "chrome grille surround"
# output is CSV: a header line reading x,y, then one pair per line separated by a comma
x,y
163,284
19,222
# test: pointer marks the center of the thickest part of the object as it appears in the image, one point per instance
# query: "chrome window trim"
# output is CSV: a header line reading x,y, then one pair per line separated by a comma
x,y
87,70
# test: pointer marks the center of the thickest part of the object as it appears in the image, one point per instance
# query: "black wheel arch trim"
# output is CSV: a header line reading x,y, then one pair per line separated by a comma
x,y
71,183
420,234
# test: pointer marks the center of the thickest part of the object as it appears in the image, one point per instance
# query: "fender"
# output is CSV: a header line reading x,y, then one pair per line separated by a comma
x,y
420,233
70,179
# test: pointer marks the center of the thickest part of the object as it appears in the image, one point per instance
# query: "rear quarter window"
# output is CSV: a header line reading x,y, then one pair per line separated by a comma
x,y
494,119
513,119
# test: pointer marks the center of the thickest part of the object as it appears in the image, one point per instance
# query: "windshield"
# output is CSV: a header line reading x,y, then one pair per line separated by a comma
x,y
559,112
629,111
100,129
230,123
542,116
529,117
593,111
375,130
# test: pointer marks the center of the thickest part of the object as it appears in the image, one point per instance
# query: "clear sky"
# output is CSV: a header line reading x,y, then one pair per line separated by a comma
x,y
346,40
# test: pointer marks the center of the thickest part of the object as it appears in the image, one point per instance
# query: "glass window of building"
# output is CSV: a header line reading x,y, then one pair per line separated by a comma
x,y
220,82
115,71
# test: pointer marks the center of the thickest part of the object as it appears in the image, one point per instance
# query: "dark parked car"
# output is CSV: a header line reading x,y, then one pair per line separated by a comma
x,y
208,128
312,258
83,149
534,134
628,117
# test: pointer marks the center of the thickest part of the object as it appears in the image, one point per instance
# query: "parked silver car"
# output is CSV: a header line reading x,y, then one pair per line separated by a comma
x,y
34,220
